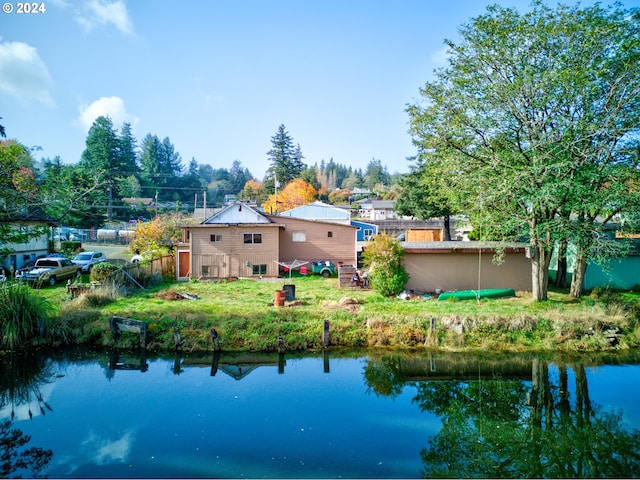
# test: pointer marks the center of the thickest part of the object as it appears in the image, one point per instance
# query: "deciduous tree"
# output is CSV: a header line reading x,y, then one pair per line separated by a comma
x,y
296,194
534,115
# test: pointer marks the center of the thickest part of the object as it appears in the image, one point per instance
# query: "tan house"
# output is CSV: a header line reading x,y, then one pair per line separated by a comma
x,y
239,241
455,265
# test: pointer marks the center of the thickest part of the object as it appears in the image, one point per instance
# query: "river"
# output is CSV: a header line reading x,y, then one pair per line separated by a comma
x,y
80,414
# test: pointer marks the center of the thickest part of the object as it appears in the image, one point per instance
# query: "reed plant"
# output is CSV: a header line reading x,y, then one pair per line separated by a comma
x,y
23,316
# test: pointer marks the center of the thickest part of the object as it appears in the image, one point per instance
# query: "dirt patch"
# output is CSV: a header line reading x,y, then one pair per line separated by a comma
x,y
175,295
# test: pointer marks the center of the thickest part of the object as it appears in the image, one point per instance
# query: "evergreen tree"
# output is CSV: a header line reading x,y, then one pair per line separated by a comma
x,y
128,157
286,161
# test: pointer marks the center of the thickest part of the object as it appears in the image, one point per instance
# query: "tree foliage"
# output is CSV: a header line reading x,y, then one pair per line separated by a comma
x,y
534,117
296,194
285,160
383,255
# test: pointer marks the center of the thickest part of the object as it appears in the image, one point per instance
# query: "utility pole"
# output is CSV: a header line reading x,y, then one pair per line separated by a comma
x,y
276,185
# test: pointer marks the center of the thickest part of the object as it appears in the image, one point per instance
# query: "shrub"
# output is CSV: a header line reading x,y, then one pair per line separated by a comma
x,y
387,274
69,247
101,270
23,316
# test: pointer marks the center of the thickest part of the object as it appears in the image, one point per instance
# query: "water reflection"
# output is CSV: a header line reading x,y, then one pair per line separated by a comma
x,y
511,417
357,414
23,378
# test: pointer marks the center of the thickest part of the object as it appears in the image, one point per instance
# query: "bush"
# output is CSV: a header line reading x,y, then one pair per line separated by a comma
x,y
23,316
387,275
102,270
69,247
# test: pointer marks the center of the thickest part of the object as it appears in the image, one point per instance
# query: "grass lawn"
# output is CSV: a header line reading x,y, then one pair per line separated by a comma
x,y
243,314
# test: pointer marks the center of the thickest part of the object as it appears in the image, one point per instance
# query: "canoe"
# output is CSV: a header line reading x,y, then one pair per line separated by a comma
x,y
474,294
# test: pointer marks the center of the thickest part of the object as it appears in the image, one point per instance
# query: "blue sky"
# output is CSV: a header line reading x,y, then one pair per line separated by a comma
x,y
218,77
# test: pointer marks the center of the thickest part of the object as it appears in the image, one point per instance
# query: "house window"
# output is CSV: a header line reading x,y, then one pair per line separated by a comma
x,y
252,238
298,237
368,233
329,234
260,269
205,270
216,238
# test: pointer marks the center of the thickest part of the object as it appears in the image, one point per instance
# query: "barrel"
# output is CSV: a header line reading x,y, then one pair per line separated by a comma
x,y
279,297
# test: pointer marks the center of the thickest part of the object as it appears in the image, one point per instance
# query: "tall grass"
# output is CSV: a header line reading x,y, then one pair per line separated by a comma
x,y
23,316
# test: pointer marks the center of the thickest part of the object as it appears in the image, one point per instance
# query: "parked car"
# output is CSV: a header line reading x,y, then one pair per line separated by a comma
x,y
88,259
50,270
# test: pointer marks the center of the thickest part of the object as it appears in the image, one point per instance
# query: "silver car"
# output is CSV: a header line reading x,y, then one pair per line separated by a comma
x,y
88,259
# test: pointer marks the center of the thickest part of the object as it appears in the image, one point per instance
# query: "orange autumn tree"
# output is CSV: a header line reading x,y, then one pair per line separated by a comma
x,y
295,194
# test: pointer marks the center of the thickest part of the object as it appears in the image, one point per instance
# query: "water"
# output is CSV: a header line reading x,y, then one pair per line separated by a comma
x,y
355,415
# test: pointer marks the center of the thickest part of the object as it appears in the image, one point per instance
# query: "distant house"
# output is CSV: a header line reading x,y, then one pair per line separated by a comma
x,y
377,210
239,241
454,265
320,211
365,230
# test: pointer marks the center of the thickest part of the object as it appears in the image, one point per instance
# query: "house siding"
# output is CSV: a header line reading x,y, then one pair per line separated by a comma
x,y
339,248
450,270
231,257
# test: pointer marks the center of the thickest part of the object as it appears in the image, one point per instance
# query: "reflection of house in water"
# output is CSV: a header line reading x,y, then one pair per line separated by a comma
x,y
236,365
461,367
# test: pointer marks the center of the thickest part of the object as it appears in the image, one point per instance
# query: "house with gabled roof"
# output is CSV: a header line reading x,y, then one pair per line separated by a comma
x,y
240,241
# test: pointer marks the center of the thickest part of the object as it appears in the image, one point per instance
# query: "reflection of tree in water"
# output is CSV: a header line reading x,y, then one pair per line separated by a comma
x,y
12,460
21,376
494,428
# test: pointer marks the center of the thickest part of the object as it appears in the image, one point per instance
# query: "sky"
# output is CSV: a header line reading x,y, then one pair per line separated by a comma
x,y
218,77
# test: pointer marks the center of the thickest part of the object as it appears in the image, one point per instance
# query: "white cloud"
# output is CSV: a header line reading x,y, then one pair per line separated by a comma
x,y
441,57
104,450
104,13
112,107
23,74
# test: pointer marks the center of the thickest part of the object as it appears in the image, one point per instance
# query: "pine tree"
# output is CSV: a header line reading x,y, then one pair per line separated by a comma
x,y
286,161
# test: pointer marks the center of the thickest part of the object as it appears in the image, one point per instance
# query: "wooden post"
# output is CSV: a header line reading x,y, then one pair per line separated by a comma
x,y
325,334
281,363
118,324
215,363
177,338
214,339
326,362
281,347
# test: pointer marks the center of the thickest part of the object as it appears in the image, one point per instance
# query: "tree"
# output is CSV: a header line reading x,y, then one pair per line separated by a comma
x,y
376,174
387,274
286,161
71,194
422,195
160,165
127,151
533,112
296,194
253,190
161,234
102,153
20,199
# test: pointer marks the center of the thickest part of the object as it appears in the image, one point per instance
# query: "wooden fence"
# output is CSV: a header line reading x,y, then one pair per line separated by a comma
x,y
140,271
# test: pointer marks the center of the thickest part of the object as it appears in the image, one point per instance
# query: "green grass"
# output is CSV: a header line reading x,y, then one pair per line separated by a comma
x,y
243,314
